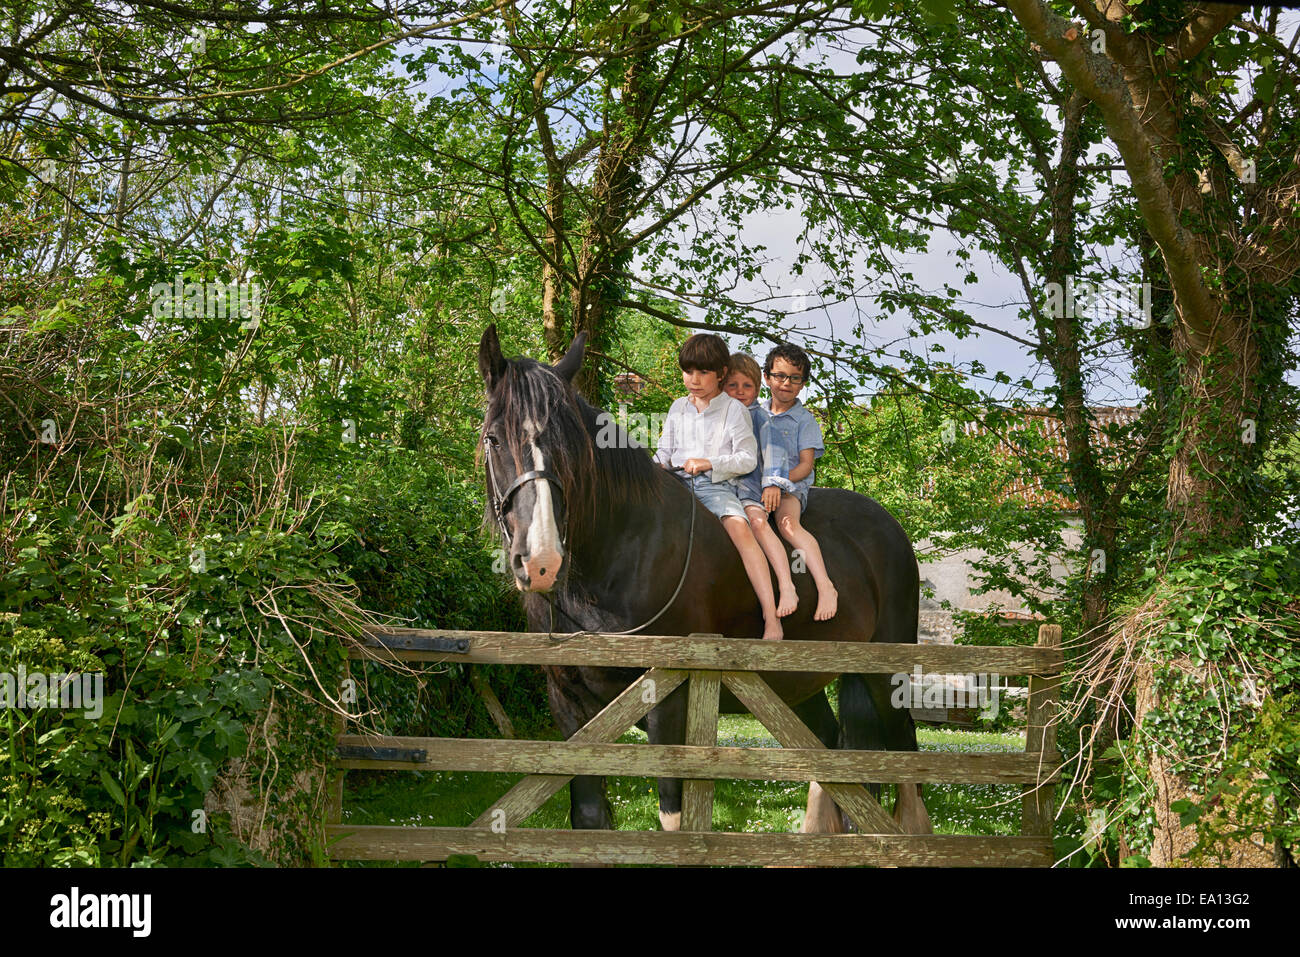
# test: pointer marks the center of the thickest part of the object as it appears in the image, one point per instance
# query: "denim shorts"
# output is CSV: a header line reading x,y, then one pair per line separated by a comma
x,y
749,493
801,493
718,497
749,488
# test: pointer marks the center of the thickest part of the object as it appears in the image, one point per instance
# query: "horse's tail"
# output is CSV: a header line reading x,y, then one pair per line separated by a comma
x,y
869,721
872,717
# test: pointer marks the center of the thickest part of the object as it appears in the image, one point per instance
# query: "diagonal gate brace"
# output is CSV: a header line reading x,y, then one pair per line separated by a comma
x,y
786,726
619,715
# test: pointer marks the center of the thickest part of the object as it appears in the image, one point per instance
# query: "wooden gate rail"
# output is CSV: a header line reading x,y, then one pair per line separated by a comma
x,y
704,652
708,663
686,761
699,848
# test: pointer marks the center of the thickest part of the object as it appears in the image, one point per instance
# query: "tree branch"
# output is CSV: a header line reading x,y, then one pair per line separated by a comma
x,y
1202,27
1101,81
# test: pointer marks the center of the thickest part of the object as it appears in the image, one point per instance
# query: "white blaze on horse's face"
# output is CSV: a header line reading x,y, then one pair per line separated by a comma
x,y
541,556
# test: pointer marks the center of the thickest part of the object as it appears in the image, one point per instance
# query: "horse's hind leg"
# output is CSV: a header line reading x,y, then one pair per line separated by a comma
x,y
666,724
911,814
822,815
870,722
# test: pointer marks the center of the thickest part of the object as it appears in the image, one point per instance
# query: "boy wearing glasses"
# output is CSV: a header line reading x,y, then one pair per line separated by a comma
x,y
794,443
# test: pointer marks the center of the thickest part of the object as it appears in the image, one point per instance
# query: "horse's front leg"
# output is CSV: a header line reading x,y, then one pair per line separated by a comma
x,y
574,703
666,724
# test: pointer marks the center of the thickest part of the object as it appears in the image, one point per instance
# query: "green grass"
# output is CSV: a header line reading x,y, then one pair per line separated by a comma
x,y
990,809
455,799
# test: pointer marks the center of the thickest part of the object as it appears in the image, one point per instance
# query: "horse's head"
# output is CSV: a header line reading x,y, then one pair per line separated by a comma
x,y
536,452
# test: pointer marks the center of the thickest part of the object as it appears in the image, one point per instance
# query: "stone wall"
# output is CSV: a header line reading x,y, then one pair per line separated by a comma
x,y
937,628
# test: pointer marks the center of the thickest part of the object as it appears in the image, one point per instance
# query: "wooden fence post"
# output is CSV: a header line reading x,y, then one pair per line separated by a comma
x,y
334,778
701,730
1038,801
334,813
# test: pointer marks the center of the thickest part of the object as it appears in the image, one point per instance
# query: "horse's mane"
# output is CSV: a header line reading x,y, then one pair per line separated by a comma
x,y
596,480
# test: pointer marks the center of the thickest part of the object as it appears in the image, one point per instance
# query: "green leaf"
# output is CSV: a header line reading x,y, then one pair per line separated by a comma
x,y
1187,811
114,790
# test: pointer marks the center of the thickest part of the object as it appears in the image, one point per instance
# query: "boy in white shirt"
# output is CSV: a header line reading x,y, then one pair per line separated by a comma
x,y
708,436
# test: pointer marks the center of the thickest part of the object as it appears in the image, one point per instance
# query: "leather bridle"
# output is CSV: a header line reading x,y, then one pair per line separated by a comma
x,y
501,502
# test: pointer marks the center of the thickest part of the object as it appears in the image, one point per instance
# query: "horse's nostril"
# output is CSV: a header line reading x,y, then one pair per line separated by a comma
x,y
542,572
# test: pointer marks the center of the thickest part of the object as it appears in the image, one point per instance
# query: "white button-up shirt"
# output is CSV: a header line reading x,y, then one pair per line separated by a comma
x,y
722,433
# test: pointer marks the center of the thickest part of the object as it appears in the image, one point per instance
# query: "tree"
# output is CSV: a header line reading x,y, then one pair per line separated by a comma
x,y
1200,102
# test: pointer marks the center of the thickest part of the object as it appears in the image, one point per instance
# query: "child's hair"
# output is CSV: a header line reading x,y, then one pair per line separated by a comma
x,y
705,352
746,365
791,354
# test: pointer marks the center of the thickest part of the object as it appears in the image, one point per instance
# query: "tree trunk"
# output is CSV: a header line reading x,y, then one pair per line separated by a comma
x,y
1172,842
1061,335
613,195
552,323
1218,415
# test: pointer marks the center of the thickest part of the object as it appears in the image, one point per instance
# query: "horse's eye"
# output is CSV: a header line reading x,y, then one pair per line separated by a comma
x,y
492,440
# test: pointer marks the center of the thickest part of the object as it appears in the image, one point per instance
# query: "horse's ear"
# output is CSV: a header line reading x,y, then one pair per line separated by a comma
x,y
567,367
491,365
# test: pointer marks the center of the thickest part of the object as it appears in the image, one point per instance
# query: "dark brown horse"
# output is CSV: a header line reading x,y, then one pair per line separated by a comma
x,y
602,533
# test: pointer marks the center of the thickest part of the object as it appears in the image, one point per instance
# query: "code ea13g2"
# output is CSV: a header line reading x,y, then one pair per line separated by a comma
x,y
1223,897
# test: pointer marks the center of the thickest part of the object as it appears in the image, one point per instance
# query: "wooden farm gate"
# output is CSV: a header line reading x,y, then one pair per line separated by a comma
x,y
707,663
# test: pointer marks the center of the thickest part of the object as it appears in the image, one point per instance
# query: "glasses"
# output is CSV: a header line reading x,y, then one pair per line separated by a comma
x,y
782,378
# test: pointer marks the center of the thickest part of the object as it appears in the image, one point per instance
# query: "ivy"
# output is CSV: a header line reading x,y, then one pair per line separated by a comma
x,y
1225,652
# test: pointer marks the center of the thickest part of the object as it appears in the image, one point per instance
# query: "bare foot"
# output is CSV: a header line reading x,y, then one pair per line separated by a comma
x,y
772,630
828,603
787,602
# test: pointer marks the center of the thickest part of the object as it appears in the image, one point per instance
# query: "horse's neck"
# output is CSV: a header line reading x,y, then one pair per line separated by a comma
x,y
649,536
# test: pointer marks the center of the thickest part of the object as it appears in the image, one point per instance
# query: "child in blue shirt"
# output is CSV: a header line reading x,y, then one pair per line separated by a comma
x,y
795,441
742,385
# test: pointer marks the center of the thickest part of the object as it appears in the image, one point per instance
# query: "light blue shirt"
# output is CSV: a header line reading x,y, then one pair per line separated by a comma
x,y
749,487
785,435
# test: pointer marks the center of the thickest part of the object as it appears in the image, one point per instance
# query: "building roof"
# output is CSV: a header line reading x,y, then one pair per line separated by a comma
x,y
629,383
1031,488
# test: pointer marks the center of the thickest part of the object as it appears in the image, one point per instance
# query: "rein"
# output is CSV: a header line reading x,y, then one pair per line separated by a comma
x,y
500,504
690,547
